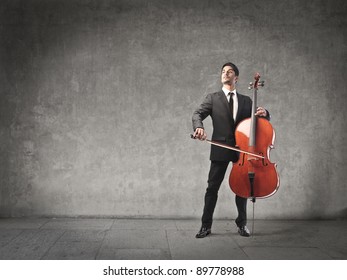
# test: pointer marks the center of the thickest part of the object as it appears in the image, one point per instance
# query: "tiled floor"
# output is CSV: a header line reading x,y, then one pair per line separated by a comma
x,y
146,239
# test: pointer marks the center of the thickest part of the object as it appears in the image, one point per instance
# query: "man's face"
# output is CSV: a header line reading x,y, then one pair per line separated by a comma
x,y
228,76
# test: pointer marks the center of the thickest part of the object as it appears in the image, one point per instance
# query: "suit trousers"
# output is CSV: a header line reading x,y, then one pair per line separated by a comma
x,y
215,179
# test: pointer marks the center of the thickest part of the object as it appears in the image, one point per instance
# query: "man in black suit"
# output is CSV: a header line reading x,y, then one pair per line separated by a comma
x,y
227,108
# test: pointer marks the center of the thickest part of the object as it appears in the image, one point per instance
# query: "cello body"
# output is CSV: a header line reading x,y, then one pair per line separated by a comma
x,y
265,176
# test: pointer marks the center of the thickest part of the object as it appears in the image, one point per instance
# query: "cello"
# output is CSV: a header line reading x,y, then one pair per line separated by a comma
x,y
254,177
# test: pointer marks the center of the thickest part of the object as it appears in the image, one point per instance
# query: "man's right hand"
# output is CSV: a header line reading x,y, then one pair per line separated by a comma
x,y
200,134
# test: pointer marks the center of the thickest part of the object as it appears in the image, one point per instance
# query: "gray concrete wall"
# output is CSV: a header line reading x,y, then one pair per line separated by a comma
x,y
97,97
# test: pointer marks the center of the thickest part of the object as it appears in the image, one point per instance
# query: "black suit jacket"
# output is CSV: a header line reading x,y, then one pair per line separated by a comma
x,y
216,105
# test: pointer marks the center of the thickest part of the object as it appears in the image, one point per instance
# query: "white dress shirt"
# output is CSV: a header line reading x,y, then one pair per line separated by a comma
x,y
235,100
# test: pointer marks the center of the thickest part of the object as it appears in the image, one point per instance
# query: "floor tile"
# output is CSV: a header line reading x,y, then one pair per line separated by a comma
x,y
109,253
22,223
30,244
150,224
73,251
136,239
184,245
285,253
76,223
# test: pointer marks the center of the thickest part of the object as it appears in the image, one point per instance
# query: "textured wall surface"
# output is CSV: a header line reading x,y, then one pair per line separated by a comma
x,y
97,98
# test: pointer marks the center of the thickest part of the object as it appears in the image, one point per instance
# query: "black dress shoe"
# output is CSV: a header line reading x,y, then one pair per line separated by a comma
x,y
244,231
203,232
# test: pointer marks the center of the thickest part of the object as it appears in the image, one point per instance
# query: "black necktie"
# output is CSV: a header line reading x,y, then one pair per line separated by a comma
x,y
231,104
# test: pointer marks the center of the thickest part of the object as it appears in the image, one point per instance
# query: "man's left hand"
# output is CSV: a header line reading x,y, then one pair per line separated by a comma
x,y
261,112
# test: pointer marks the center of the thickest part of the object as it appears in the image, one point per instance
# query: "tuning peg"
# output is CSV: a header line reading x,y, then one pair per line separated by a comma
x,y
261,84
250,86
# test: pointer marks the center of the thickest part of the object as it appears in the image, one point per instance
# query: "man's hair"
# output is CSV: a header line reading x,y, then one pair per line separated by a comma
x,y
233,66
